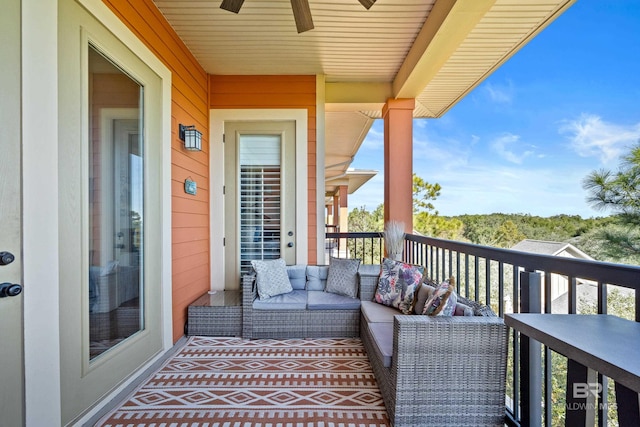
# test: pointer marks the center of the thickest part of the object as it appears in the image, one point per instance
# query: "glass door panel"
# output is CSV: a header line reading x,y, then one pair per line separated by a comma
x,y
116,165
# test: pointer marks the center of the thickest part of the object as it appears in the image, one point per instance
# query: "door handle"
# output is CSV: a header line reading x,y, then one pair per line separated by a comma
x,y
6,258
9,290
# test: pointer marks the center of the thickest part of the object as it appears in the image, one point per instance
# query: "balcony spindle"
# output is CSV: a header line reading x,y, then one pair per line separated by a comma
x,y
531,353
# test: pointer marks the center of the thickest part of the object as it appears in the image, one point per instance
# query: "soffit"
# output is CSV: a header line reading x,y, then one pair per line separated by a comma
x,y
349,43
344,133
499,34
433,51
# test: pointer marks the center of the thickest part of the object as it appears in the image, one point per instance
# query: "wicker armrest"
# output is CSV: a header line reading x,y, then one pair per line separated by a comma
x,y
440,363
368,278
249,294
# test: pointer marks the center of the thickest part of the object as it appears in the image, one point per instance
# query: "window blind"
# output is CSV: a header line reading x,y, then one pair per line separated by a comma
x,y
260,197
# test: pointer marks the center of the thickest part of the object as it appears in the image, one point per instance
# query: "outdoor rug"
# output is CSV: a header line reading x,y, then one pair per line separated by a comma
x,y
232,382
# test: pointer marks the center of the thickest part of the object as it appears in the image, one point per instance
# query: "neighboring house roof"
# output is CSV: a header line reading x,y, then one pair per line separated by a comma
x,y
550,248
586,290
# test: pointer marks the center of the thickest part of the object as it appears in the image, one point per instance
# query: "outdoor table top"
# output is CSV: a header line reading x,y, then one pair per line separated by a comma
x,y
607,344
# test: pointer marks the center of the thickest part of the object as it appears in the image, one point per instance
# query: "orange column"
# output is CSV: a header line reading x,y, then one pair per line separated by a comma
x,y
336,210
398,161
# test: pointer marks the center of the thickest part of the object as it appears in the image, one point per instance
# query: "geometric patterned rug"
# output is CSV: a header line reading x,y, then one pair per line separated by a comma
x,y
232,382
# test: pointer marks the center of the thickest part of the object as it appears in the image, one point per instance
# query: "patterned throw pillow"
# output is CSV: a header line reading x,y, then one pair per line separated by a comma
x,y
272,277
422,296
462,310
410,277
398,283
443,301
477,308
342,278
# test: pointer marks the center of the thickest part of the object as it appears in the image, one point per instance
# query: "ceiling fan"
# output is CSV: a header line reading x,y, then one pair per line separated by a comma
x,y
301,11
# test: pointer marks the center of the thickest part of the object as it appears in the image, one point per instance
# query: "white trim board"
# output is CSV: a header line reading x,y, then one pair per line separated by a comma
x,y
218,117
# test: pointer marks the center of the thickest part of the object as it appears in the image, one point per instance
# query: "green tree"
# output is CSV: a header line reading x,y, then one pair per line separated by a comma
x,y
361,220
619,192
438,226
508,235
425,216
423,193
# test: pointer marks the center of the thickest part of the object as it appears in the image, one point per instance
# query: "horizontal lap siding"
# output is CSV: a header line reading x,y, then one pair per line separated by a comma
x,y
227,92
189,106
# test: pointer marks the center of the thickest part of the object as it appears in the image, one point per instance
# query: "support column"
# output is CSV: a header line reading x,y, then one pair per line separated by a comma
x,y
329,216
343,214
343,218
336,211
398,161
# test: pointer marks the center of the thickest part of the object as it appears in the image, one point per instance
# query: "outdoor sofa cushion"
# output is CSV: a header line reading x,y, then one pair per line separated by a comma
x,y
294,300
319,300
317,277
382,334
297,276
375,313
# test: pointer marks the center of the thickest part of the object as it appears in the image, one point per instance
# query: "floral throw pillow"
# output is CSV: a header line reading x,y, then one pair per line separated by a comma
x,y
411,277
398,283
443,301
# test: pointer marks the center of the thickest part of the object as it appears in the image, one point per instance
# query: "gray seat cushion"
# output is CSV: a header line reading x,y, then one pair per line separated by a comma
x,y
375,313
320,300
382,334
317,277
294,300
297,276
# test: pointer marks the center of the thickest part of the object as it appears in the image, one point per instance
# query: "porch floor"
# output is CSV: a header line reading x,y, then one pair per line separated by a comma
x,y
221,381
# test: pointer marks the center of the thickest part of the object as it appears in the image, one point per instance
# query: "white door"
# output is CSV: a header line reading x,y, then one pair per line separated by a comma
x,y
11,368
260,195
110,217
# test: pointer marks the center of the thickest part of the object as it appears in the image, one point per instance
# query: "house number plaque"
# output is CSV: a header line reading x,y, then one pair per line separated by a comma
x,y
190,187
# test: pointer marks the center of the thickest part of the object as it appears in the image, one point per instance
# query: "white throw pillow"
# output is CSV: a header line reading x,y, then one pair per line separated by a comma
x,y
272,277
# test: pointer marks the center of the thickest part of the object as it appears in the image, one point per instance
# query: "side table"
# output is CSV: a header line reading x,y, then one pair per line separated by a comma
x,y
216,314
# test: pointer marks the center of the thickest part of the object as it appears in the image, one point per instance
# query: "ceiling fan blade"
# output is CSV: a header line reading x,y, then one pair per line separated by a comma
x,y
367,3
302,15
232,5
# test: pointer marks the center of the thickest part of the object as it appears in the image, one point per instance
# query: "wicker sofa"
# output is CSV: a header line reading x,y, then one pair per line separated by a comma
x,y
437,371
307,312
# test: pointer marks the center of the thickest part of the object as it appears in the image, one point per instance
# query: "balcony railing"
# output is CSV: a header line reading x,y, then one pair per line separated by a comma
x,y
518,282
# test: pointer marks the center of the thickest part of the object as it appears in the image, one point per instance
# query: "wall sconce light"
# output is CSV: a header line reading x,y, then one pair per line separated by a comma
x,y
191,136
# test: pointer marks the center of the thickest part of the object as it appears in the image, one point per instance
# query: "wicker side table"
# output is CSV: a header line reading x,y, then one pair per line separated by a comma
x,y
217,314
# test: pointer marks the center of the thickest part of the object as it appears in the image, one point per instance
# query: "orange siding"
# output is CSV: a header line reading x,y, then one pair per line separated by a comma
x,y
276,92
190,215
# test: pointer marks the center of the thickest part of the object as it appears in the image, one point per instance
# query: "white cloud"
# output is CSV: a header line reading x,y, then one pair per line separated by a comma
x,y
500,94
505,146
590,136
480,189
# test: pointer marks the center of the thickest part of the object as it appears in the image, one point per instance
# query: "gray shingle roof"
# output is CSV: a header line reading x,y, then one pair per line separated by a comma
x,y
548,248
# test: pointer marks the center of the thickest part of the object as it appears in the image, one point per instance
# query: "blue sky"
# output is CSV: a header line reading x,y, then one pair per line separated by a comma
x,y
566,104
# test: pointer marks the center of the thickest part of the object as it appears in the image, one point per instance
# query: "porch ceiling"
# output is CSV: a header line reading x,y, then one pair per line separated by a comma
x,y
435,51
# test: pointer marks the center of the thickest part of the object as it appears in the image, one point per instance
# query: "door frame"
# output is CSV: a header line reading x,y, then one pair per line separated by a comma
x,y
40,117
218,117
